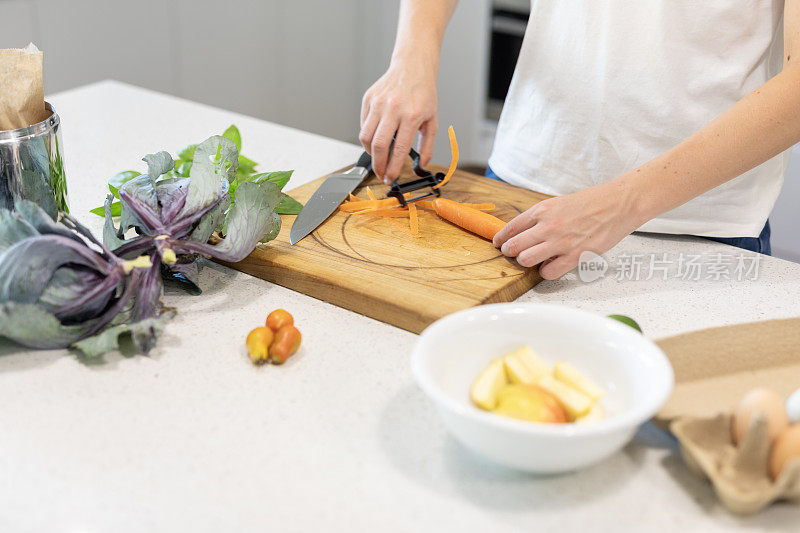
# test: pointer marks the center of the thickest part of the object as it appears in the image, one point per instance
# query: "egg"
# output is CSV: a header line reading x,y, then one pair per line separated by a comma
x,y
793,407
786,447
759,401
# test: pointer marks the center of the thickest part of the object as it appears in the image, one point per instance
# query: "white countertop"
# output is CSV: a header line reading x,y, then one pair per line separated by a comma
x,y
195,438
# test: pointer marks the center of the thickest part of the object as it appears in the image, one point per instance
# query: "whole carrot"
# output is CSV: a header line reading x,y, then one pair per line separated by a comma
x,y
468,218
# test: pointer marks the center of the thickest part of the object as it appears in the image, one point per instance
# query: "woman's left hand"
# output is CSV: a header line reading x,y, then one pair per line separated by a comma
x,y
555,231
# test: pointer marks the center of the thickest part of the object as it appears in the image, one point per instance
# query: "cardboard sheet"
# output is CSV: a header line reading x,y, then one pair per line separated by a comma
x,y
715,367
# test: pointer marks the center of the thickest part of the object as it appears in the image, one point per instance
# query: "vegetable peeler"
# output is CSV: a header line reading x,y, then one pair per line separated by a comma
x,y
425,179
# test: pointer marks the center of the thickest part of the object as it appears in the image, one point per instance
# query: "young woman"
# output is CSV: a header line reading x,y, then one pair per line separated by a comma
x,y
668,116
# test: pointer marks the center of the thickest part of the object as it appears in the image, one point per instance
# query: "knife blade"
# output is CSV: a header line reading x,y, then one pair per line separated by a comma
x,y
327,198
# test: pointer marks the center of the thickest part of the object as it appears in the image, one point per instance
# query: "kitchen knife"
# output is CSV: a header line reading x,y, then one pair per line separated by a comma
x,y
327,198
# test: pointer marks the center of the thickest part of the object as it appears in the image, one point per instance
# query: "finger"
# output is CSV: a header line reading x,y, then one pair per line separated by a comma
x,y
365,105
558,267
368,129
381,141
535,254
428,130
518,224
402,145
522,241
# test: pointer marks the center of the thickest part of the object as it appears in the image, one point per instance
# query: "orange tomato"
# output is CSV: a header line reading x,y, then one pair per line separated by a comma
x,y
278,319
287,342
258,342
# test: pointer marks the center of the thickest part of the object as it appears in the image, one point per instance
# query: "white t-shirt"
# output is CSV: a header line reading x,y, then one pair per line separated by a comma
x,y
603,86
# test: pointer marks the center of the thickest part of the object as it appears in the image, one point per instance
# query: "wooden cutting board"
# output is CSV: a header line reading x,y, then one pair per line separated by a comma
x,y
375,267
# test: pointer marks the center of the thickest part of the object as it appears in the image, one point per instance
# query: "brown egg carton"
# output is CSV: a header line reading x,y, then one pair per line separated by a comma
x,y
740,474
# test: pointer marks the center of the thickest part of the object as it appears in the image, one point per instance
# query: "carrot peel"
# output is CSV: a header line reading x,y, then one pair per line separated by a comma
x,y
388,213
360,205
413,220
453,158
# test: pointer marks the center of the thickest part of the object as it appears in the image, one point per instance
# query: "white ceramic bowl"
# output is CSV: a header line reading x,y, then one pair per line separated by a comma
x,y
450,353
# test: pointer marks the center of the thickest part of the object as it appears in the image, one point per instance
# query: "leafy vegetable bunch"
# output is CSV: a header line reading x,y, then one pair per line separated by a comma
x,y
60,287
172,218
246,171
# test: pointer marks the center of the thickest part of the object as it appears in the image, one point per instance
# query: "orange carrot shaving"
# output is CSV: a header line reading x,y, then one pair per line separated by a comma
x,y
369,193
360,205
468,218
389,213
413,220
453,158
353,198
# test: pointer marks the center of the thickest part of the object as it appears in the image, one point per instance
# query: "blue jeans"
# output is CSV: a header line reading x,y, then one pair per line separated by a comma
x,y
758,244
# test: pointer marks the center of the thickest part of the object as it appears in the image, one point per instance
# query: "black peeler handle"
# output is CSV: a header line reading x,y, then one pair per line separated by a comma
x,y
426,179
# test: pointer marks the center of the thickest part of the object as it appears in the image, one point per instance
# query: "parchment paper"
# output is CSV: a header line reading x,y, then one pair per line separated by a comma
x,y
21,88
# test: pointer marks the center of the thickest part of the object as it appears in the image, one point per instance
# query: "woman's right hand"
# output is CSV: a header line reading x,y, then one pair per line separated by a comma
x,y
402,102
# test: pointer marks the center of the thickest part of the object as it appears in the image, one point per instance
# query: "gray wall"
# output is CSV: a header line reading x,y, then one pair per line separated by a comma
x,y
303,63
293,62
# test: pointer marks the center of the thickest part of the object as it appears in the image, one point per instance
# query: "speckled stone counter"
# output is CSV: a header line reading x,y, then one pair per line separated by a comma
x,y
195,438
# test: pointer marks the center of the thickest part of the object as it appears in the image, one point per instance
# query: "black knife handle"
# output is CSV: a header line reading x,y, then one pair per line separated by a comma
x,y
365,161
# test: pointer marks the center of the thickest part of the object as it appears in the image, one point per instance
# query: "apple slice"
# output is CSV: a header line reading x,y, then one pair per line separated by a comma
x,y
530,402
595,414
487,385
524,366
568,374
575,402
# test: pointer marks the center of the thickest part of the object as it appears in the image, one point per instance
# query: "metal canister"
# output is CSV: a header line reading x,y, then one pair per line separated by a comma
x,y
32,166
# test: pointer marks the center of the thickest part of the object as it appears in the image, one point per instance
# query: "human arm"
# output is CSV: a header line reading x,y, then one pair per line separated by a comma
x,y
403,100
758,127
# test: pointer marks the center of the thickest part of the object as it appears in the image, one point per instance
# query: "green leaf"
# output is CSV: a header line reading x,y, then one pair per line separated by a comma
x,y
34,215
187,154
628,321
13,229
118,180
233,186
209,222
233,134
279,178
183,168
273,228
246,165
116,210
251,219
209,179
158,164
288,206
110,232
31,325
143,200
243,176
142,332
68,285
